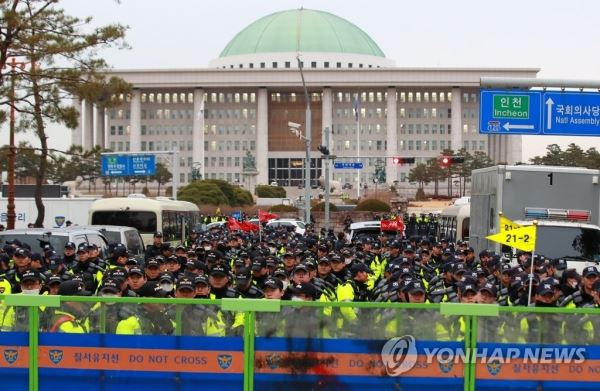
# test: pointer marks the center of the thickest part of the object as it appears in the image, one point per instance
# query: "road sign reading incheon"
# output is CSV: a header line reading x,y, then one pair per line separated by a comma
x,y
539,112
354,165
128,165
510,112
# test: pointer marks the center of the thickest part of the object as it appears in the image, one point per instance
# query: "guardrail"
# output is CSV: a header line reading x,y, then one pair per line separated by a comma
x,y
179,344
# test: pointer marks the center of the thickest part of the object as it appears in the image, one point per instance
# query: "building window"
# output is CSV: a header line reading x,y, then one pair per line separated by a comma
x,y
313,64
274,65
338,64
326,64
287,64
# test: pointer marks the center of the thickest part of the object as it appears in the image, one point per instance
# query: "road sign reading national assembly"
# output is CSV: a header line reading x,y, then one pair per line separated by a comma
x,y
354,165
539,112
128,165
572,113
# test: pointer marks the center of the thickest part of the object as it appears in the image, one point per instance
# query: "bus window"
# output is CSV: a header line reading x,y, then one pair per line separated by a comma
x,y
145,222
465,228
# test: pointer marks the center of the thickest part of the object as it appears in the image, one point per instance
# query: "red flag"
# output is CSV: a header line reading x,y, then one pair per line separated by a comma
x,y
249,227
392,225
233,225
265,216
389,225
400,224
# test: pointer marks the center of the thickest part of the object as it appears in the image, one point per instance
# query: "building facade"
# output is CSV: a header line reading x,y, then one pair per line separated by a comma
x,y
242,103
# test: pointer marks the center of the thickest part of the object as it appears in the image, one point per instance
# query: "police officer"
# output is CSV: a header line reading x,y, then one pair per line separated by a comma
x,y
244,286
22,263
260,272
87,270
69,255
151,319
56,267
136,279
70,317
590,276
219,281
205,320
15,318
155,248
152,269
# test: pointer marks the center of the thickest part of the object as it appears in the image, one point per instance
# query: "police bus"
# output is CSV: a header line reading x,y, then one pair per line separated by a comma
x,y
453,223
174,219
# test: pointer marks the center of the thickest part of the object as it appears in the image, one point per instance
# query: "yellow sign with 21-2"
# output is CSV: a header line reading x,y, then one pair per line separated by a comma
x,y
522,238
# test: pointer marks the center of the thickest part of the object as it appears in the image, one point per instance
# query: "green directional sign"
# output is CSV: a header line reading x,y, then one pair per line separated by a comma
x,y
511,106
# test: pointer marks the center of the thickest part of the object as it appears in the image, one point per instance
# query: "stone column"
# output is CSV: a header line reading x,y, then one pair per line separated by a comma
x,y
77,133
457,131
490,147
327,123
88,125
135,131
198,130
515,149
100,126
262,137
391,170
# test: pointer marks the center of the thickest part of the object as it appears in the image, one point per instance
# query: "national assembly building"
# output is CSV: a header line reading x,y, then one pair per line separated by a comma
x,y
241,105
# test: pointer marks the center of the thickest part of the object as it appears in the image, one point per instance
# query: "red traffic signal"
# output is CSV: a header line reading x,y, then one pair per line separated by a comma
x,y
447,161
403,160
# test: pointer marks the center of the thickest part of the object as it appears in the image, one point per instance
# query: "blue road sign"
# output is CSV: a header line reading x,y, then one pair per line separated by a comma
x,y
128,165
353,165
142,165
510,112
115,165
571,113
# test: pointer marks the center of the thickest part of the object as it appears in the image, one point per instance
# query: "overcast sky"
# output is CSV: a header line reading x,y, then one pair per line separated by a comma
x,y
559,37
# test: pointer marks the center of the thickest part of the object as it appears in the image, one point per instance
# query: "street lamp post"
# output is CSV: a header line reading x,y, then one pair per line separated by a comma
x,y
327,156
307,139
295,128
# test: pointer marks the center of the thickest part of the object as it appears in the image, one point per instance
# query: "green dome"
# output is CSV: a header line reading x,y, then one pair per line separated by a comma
x,y
301,30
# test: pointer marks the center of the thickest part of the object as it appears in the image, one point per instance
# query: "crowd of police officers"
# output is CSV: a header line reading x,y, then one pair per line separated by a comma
x,y
279,264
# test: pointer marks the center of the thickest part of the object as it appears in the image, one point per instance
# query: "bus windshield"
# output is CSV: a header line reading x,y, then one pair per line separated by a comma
x,y
145,222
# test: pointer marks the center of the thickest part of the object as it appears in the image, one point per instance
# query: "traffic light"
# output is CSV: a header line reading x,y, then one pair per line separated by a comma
x,y
323,149
448,160
403,160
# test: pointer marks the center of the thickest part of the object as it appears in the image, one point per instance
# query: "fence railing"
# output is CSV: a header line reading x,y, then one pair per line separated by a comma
x,y
179,344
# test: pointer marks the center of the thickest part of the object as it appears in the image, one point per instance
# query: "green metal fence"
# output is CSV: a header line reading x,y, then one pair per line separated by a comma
x,y
470,325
